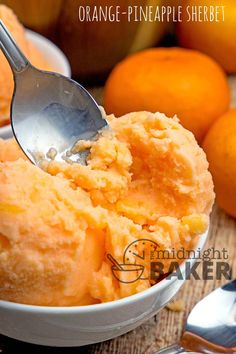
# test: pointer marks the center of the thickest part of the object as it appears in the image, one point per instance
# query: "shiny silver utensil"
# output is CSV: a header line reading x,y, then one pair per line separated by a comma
x,y
49,112
211,325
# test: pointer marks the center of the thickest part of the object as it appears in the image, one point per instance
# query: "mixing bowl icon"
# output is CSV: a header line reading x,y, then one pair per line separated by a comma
x,y
126,273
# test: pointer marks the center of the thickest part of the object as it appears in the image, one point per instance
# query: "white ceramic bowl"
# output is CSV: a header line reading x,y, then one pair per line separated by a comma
x,y
81,325
53,55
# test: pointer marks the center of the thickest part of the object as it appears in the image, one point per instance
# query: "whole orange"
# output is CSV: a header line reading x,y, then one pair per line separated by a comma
x,y
220,147
172,81
215,38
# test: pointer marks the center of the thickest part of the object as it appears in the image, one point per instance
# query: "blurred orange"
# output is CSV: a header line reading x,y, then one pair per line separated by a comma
x,y
172,81
220,147
216,39
40,16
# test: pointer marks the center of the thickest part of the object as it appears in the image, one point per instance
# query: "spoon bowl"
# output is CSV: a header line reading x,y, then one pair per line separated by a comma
x,y
212,322
211,325
48,111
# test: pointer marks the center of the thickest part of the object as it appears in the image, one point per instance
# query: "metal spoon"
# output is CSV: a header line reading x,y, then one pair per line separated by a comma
x,y
211,325
48,110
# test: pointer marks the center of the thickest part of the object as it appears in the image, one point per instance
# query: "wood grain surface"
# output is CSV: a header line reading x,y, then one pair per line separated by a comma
x,y
167,327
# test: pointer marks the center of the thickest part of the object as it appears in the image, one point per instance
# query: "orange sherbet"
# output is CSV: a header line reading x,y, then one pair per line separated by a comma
x,y
148,180
6,79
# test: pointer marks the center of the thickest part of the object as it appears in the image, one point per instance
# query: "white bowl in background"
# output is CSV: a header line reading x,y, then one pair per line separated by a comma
x,y
82,325
53,55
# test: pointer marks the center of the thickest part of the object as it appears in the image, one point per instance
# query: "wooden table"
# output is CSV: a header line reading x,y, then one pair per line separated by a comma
x,y
167,326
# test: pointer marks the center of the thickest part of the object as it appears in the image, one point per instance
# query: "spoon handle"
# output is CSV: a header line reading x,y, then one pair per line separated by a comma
x,y
174,349
15,57
114,262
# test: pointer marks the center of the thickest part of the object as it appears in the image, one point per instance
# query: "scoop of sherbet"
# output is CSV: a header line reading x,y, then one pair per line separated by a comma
x,y
6,79
148,180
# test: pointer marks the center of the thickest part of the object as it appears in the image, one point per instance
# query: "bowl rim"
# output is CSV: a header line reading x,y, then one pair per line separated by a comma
x,y
110,305
6,129
31,35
